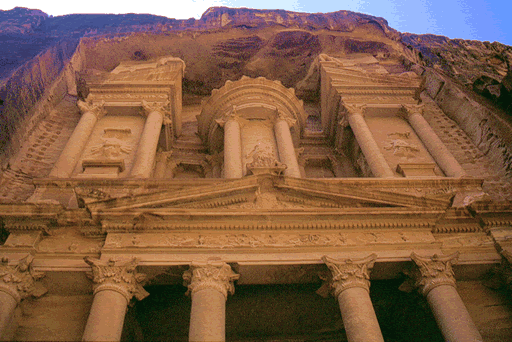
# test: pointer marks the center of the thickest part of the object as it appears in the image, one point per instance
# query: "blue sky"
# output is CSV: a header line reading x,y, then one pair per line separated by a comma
x,y
489,20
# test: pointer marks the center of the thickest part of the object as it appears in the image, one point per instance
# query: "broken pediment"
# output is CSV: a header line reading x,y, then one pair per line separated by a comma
x,y
261,192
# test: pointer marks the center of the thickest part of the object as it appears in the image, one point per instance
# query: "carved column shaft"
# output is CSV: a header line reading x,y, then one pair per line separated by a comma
x,y
79,138
286,149
209,285
114,286
434,145
350,282
146,152
376,161
437,284
106,317
232,149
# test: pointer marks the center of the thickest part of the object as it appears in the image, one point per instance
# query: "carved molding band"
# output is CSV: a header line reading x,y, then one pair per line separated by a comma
x,y
350,273
19,280
122,278
216,275
98,109
434,271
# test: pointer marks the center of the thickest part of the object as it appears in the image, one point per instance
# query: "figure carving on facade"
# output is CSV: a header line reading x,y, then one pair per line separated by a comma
x,y
110,148
261,159
402,148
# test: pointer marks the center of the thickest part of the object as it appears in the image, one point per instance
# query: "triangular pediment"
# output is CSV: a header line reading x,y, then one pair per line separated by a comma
x,y
265,192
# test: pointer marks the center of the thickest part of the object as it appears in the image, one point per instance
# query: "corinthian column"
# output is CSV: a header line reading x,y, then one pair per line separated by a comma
x,y
114,287
232,145
434,145
17,282
76,143
146,151
434,279
376,161
351,286
285,146
209,285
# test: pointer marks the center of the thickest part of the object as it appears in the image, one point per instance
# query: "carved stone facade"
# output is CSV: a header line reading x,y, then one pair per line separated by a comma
x,y
256,186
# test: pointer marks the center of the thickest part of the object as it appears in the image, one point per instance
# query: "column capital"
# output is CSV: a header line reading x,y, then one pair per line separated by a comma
x,y
433,271
232,115
355,108
97,108
349,273
19,280
122,278
409,109
149,107
212,274
280,116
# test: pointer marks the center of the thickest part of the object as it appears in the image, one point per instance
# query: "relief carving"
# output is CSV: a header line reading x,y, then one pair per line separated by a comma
x,y
122,278
401,147
19,280
262,160
276,240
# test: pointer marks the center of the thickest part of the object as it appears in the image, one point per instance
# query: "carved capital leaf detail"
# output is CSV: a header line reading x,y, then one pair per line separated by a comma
x,y
161,107
409,109
122,278
349,273
281,116
232,115
216,275
355,108
433,271
19,280
98,108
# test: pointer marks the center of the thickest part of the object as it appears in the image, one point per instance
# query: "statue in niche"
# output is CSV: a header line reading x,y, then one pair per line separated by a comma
x,y
261,160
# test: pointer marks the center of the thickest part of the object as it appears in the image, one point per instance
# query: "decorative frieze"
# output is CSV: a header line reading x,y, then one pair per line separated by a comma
x,y
19,280
122,278
259,240
350,273
212,274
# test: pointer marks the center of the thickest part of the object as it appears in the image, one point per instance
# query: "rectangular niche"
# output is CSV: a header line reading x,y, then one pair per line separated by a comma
x,y
403,150
111,148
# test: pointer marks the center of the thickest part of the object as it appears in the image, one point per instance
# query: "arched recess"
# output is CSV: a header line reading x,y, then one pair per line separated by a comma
x,y
252,99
